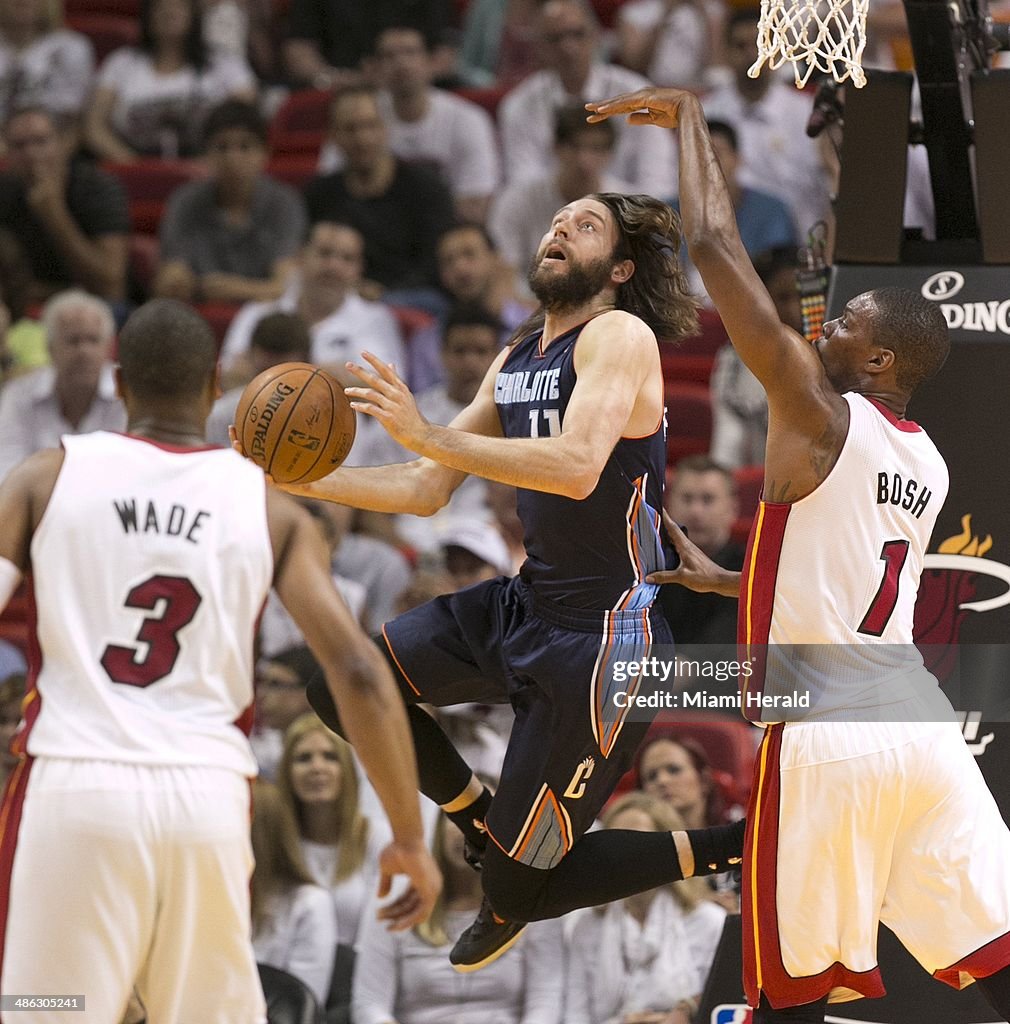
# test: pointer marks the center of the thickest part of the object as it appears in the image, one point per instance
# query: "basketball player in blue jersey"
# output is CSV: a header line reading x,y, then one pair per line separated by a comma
x,y
571,413
869,808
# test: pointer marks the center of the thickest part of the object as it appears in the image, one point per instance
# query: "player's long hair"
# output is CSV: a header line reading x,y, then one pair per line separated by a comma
x,y
351,836
279,865
658,291
688,892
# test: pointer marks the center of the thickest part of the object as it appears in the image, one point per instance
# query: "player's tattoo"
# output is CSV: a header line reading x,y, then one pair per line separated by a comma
x,y
776,492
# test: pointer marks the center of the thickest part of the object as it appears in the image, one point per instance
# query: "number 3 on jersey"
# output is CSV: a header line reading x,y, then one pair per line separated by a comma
x,y
893,555
553,418
175,601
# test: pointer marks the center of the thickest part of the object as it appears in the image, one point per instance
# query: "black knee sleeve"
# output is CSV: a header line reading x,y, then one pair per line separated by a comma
x,y
515,891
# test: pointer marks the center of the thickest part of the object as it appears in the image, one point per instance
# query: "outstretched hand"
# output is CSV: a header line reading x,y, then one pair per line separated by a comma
x,y
387,399
646,106
696,571
414,905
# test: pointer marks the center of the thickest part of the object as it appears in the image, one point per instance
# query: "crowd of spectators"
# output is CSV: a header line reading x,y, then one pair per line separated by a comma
x,y
444,137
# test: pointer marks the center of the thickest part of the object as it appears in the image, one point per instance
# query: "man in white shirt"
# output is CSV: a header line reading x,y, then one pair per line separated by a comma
x,y
770,118
585,155
75,394
569,37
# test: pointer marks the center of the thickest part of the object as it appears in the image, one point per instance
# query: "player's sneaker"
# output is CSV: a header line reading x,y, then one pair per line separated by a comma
x,y
484,941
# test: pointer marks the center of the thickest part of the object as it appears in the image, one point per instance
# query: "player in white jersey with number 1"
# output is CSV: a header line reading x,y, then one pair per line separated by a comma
x,y
867,806
124,830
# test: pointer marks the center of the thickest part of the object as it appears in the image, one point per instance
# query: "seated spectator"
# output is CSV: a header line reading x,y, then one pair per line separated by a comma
x,y
702,498
399,209
152,99
645,958
12,693
739,403
327,41
471,274
671,42
770,118
294,925
433,126
340,846
22,340
277,338
499,43
568,34
584,157
470,341
242,29
406,977
74,395
280,680
473,551
233,236
42,64
70,218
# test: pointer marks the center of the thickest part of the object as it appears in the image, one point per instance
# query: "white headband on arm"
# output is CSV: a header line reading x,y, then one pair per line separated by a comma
x,y
10,577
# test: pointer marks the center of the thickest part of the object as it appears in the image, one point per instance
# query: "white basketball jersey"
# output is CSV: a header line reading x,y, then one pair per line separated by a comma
x,y
835,575
149,569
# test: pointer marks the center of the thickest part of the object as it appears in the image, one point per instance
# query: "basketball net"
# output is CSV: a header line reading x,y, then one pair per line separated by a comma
x,y
827,36
812,282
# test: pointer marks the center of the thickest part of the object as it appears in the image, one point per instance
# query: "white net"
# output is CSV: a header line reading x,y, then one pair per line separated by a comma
x,y
814,35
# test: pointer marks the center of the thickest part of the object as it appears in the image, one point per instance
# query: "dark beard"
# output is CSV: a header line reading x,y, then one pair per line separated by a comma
x,y
572,289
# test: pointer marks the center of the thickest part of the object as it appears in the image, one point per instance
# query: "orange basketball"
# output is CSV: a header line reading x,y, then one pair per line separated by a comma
x,y
295,422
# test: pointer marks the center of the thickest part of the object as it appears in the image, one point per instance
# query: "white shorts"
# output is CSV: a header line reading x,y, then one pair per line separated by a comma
x,y
115,877
851,824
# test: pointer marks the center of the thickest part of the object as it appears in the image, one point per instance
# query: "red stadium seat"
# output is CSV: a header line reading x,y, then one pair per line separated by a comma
x,y
488,98
411,320
606,11
294,169
710,338
680,368
148,185
107,32
122,8
219,315
143,260
300,122
689,421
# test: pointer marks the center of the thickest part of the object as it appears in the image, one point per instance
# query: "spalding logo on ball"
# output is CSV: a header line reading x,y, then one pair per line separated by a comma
x,y
295,422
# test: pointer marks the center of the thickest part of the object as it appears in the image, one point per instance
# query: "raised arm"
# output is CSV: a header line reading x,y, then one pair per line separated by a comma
x,y
619,390
365,694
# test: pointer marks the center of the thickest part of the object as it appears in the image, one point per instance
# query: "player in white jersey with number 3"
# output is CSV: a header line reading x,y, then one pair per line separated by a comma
x,y
867,806
124,830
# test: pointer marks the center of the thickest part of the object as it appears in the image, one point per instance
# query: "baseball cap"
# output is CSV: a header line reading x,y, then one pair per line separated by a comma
x,y
479,538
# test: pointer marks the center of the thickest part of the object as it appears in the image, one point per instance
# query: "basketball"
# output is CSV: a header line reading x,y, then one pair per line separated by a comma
x,y
295,422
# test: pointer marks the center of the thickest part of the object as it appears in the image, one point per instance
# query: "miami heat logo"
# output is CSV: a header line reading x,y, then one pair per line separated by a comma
x,y
948,591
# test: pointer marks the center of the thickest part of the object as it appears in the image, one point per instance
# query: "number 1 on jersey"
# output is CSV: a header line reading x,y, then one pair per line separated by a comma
x,y
553,417
893,555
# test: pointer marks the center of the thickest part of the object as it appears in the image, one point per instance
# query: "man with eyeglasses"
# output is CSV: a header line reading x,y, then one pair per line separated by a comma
x,y
568,35
280,682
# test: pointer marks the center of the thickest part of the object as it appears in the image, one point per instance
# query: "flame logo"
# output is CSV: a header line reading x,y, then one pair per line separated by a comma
x,y
964,553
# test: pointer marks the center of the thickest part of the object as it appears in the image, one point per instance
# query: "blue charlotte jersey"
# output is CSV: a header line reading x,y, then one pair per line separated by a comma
x,y
593,553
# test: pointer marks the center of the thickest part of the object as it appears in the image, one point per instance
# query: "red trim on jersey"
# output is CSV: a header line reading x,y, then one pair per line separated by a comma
x,y
757,594
31,704
246,720
893,418
10,823
763,969
980,963
165,446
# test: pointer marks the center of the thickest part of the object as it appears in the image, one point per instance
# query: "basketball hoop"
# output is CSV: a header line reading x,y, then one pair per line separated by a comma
x,y
813,35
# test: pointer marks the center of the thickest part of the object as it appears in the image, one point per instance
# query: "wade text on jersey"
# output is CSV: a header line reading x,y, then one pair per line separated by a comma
x,y
172,521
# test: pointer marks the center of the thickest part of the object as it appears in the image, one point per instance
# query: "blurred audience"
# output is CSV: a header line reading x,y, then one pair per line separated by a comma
x,y
22,340
432,126
471,339
573,73
277,338
523,210
294,925
152,99
671,42
75,394
327,41
406,977
70,218
42,64
643,960
739,403
12,692
233,236
280,682
473,551
400,209
340,846
499,42
702,499
770,118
